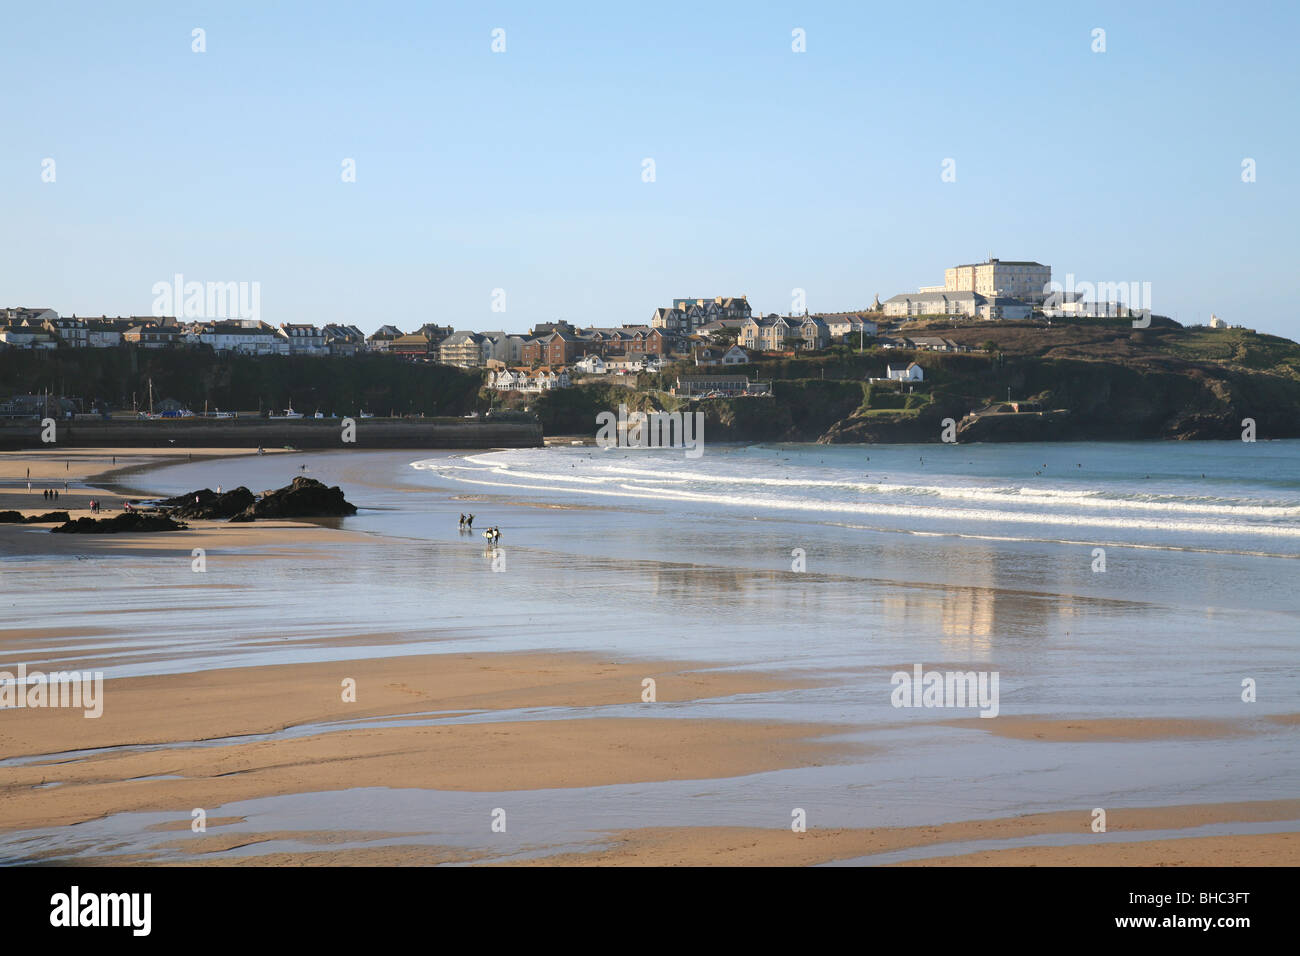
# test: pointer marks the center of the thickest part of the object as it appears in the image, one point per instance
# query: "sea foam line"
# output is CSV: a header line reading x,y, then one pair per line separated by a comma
x,y
902,511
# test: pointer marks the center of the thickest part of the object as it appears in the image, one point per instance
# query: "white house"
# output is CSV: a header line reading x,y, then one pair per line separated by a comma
x,y
102,334
910,373
844,328
304,339
625,366
27,338
591,363
71,331
259,339
1217,323
528,380
546,378
716,355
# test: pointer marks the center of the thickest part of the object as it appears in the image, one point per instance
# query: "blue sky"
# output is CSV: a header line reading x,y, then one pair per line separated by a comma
x,y
522,170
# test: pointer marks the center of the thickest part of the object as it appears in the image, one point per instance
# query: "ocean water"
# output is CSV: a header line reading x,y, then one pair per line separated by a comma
x,y
843,563
1219,496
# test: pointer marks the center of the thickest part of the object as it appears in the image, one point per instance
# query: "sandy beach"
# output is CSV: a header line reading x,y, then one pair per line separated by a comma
x,y
270,740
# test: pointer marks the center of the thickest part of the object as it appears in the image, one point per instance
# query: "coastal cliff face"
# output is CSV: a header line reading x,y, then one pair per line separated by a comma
x,y
1083,401
1075,400
1072,384
1104,381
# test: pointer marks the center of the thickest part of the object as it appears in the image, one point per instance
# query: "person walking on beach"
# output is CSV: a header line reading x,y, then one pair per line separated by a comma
x,y
469,522
462,521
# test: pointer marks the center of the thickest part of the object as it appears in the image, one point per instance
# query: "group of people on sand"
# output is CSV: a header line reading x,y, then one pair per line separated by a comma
x,y
51,494
493,535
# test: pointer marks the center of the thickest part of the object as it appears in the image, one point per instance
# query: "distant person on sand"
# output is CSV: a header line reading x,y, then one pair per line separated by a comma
x,y
462,521
469,522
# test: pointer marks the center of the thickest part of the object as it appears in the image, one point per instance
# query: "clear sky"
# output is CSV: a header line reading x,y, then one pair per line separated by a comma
x,y
523,170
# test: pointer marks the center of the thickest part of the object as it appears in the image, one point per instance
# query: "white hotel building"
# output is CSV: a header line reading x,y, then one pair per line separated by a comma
x,y
1026,281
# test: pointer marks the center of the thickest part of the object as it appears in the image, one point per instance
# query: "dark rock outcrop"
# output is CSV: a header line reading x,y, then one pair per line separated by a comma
x,y
206,503
305,498
50,517
126,521
16,517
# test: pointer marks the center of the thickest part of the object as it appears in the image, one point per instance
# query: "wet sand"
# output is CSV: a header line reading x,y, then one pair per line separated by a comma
x,y
1109,729
1272,849
227,706
737,846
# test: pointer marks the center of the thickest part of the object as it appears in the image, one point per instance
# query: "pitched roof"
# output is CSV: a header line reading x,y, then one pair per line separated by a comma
x,y
965,296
